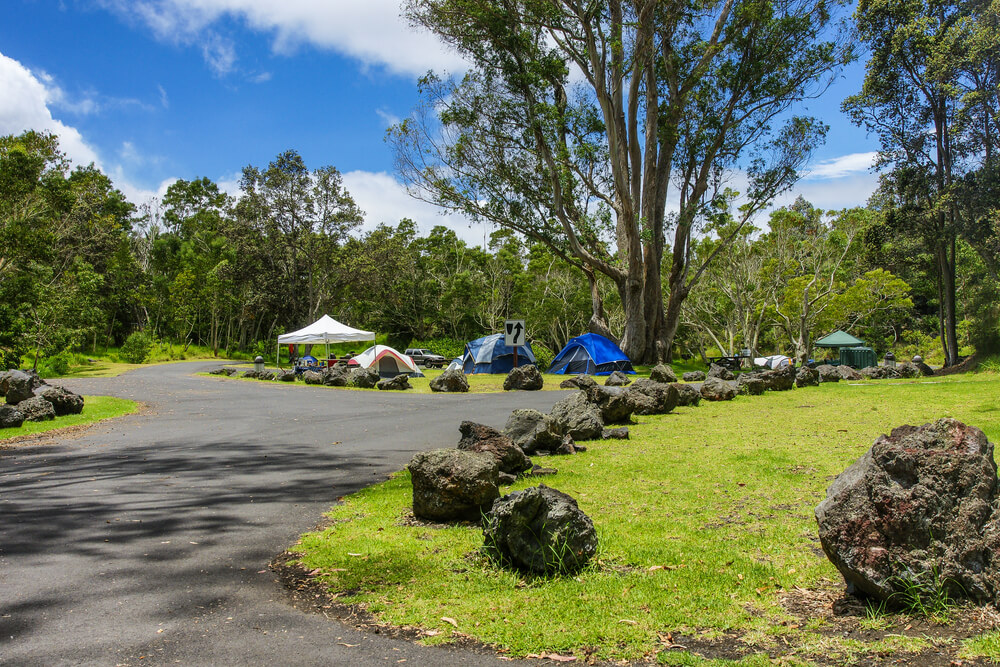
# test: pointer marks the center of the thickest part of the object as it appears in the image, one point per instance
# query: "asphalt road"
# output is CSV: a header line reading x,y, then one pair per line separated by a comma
x,y
146,540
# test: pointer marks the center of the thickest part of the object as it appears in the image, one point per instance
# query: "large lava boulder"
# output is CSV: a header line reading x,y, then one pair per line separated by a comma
x,y
577,417
450,484
540,530
21,386
717,389
312,377
780,379
452,380
807,377
251,374
363,378
924,369
662,373
399,383
721,372
848,373
339,376
581,381
614,403
618,379
10,417
63,401
267,376
918,509
652,398
285,376
908,370
526,378
36,409
828,373
687,394
533,431
487,440
693,376
748,384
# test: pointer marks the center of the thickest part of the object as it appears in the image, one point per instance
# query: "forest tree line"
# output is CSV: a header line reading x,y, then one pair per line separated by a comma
x,y
83,268
574,127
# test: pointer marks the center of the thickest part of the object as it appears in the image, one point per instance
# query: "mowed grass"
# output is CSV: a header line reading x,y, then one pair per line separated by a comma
x,y
705,519
95,409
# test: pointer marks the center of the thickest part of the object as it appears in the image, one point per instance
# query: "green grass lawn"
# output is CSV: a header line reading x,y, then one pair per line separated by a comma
x,y
706,529
95,409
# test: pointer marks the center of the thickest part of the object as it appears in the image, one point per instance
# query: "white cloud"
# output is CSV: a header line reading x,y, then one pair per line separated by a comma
x,y
24,100
839,167
372,31
388,117
385,200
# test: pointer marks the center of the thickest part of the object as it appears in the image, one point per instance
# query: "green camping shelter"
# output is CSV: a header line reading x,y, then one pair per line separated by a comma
x,y
838,339
853,352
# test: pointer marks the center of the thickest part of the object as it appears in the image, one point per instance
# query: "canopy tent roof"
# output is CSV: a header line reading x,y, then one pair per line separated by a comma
x,y
325,330
838,339
592,354
388,361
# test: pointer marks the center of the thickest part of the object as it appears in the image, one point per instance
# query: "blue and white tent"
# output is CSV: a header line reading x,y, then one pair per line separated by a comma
x,y
592,354
489,355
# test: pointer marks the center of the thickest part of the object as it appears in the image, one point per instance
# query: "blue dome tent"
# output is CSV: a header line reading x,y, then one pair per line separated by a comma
x,y
591,354
489,355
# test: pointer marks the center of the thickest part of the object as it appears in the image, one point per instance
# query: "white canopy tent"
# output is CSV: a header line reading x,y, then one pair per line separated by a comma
x,y
325,330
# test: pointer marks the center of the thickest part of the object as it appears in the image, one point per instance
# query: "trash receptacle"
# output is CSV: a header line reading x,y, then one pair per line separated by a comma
x,y
258,364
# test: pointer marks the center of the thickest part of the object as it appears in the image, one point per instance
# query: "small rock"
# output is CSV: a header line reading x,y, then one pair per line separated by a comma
x,y
399,383
540,530
453,380
36,409
721,372
532,431
620,433
807,377
717,389
618,379
525,378
487,440
63,401
686,394
450,484
10,417
581,381
662,373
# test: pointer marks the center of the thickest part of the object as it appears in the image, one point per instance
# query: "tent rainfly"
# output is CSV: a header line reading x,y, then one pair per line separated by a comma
x,y
593,354
325,330
838,339
388,361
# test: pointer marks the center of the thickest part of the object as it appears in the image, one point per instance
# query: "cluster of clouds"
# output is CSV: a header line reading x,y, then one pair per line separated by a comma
x,y
373,33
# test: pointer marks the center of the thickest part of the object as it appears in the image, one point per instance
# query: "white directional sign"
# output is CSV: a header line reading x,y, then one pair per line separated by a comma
x,y
514,333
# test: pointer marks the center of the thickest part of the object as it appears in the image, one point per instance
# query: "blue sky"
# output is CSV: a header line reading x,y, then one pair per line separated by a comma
x,y
154,90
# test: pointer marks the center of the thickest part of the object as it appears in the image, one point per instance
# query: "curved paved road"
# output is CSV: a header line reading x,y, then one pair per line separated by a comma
x,y
146,539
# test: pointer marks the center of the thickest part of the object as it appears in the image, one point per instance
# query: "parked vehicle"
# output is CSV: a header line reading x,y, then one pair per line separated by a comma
x,y
426,358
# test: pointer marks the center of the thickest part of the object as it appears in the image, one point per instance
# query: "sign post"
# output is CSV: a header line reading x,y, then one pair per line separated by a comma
x,y
515,335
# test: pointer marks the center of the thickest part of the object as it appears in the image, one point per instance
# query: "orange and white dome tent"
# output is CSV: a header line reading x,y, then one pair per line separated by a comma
x,y
388,361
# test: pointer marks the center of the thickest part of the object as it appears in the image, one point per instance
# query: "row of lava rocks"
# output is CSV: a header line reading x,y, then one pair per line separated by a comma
x,y
538,530
30,398
339,375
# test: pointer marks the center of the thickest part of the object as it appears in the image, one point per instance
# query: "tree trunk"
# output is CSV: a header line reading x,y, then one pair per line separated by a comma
x,y
949,329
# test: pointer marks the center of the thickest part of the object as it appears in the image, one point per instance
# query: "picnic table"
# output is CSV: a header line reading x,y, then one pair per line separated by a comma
x,y
733,363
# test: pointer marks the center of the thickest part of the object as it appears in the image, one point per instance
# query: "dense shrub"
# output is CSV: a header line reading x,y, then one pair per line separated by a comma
x,y
543,355
137,347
